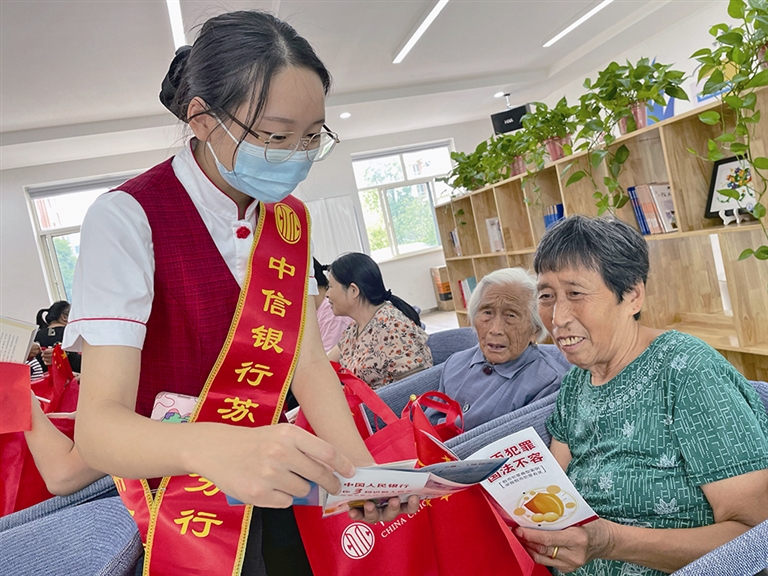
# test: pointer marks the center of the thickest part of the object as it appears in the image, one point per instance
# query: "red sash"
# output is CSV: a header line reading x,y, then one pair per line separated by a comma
x,y
188,527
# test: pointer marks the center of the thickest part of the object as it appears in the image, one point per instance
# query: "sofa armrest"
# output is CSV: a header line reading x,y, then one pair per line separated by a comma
x,y
534,414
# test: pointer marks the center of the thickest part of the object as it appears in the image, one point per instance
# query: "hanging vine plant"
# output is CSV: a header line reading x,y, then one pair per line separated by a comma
x,y
734,69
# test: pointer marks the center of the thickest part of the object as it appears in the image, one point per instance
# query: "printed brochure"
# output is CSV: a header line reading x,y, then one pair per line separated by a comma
x,y
401,479
531,489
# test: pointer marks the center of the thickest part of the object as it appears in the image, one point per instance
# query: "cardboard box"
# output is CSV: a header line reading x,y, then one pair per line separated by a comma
x,y
442,288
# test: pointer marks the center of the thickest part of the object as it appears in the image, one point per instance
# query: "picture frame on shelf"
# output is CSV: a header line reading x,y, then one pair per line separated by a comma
x,y
730,174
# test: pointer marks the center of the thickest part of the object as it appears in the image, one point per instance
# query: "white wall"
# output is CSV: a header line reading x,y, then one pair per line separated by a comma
x,y
672,46
23,287
407,277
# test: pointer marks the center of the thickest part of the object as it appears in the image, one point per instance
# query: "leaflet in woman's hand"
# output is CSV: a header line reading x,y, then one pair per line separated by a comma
x,y
531,489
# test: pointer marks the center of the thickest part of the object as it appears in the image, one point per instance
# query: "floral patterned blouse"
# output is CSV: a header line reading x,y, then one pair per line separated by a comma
x,y
387,348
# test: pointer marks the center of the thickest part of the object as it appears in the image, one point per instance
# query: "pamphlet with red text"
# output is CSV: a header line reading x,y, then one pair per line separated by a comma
x,y
399,479
531,489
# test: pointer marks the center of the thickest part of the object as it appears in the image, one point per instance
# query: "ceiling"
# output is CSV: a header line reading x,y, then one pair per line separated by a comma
x,y
87,73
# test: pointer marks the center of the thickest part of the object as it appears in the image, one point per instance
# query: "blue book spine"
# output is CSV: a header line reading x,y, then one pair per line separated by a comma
x,y
638,212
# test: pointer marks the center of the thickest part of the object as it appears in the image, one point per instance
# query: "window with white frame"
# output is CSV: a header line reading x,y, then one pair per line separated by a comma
x,y
398,192
58,212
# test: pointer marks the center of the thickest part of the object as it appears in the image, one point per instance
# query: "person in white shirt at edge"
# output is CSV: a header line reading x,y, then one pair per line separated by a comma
x,y
249,84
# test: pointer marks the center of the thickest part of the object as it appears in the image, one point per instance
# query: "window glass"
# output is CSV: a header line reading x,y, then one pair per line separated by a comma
x,y
375,224
378,171
65,210
426,163
67,249
412,217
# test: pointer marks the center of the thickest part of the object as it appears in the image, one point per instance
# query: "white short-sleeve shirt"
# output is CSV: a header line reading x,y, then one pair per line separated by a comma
x,y
113,284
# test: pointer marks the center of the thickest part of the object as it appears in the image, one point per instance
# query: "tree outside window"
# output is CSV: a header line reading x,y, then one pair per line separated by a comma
x,y
398,193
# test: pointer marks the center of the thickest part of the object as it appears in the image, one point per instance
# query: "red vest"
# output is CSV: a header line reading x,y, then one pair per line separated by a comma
x,y
195,291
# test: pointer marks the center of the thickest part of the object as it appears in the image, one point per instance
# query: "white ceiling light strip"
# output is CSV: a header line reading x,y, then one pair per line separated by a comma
x,y
177,24
420,31
579,22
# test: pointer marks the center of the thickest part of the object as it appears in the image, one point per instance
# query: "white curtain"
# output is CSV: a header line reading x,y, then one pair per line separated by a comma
x,y
336,228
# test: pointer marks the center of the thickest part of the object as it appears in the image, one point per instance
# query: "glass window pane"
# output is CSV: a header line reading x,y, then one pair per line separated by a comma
x,y
67,249
375,225
65,210
426,163
378,171
442,192
412,217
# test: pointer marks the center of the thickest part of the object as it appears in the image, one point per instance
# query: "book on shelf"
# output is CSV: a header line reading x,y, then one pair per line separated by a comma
x,y
532,490
648,208
454,236
495,237
467,285
641,223
552,214
665,206
16,339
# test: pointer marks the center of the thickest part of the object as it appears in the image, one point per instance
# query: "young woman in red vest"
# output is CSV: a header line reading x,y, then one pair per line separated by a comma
x,y
193,279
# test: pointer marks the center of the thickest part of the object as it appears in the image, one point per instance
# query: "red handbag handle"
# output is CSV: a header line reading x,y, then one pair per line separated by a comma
x,y
364,392
445,404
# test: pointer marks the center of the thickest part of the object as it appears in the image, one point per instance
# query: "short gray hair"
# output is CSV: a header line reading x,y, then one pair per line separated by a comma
x,y
509,276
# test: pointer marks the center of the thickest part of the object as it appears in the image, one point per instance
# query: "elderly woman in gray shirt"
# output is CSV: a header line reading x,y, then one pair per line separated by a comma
x,y
506,370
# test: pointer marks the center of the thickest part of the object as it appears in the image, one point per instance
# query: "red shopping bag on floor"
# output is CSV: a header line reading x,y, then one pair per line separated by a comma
x,y
451,536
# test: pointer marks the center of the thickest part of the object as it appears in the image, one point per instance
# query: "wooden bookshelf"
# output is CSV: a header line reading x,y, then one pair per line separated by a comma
x,y
683,291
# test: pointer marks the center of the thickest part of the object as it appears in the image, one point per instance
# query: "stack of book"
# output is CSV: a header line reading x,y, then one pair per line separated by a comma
x,y
454,236
552,214
495,237
654,208
466,287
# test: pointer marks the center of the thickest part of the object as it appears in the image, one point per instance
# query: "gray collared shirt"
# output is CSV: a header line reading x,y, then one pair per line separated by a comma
x,y
486,391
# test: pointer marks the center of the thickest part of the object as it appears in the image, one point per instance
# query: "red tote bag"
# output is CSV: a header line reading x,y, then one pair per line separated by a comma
x,y
452,536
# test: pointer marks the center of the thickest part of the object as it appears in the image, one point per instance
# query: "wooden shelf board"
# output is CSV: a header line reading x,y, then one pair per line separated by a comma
x,y
458,258
718,334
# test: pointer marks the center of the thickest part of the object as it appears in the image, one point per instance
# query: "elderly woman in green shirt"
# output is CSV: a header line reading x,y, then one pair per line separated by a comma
x,y
659,433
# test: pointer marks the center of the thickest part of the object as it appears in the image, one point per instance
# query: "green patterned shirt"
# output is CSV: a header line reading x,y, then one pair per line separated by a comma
x,y
677,417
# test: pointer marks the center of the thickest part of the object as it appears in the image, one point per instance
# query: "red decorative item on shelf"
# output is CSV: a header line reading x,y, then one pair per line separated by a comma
x,y
518,166
640,113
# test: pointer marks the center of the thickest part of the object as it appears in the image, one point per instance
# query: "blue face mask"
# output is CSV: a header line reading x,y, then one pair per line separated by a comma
x,y
265,181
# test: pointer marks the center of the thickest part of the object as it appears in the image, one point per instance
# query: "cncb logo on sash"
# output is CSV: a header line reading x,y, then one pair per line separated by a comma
x,y
288,225
357,540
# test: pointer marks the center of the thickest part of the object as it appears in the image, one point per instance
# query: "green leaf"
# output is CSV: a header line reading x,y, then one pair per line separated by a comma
x,y
760,162
728,193
730,38
715,155
759,79
692,151
762,253
736,9
597,157
727,137
738,148
737,55
718,28
621,201
575,177
754,119
622,154
705,70
734,101
715,82
710,117
702,52
676,92
746,254
758,211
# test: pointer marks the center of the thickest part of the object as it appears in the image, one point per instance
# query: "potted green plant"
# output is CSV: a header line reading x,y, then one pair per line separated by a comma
x,y
508,152
624,92
552,128
734,69
467,172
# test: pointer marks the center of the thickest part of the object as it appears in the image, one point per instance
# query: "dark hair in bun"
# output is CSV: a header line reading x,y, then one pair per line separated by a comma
x,y
234,54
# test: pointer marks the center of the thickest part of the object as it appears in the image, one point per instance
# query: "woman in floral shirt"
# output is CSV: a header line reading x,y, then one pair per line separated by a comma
x,y
385,342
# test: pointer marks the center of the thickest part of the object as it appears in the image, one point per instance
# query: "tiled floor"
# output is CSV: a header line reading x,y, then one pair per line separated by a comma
x,y
439,320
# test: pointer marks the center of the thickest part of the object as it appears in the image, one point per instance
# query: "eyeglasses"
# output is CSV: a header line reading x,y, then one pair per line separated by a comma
x,y
316,146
